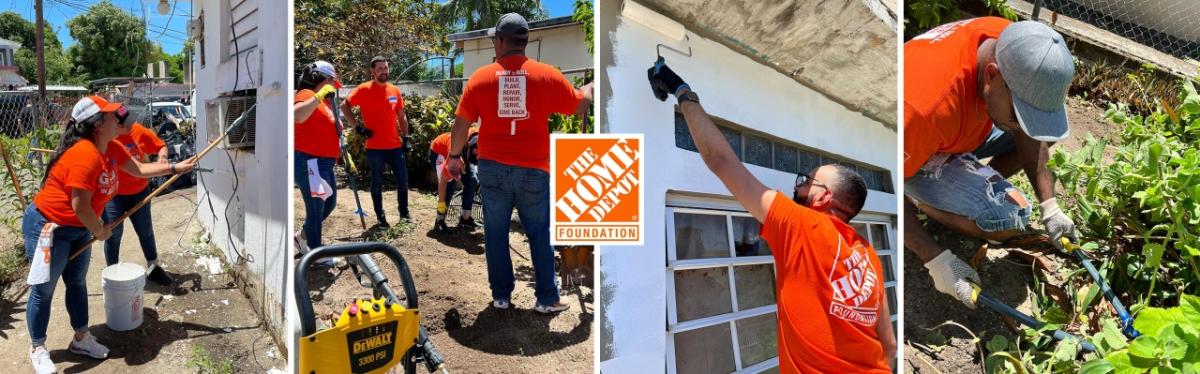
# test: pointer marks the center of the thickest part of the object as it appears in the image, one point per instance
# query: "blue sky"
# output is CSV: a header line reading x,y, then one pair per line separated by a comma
x,y
169,31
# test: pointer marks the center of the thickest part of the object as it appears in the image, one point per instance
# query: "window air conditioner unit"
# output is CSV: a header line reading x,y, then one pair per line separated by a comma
x,y
223,111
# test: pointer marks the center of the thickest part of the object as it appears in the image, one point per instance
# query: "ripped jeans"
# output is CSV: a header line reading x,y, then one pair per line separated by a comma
x,y
962,185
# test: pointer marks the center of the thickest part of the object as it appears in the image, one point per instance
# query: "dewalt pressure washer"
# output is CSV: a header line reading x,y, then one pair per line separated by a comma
x,y
371,335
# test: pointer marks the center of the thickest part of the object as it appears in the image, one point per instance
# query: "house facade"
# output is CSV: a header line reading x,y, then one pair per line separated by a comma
x,y
239,63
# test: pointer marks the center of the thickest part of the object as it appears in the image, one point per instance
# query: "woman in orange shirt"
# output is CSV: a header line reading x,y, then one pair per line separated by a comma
x,y
80,179
317,150
140,142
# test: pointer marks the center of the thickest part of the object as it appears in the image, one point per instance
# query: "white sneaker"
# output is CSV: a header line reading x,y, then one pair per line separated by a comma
x,y
40,359
501,304
301,242
548,309
88,346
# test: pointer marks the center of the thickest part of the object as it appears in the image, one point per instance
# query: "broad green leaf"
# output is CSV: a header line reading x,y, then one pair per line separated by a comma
x,y
998,343
1097,366
1067,350
1153,253
1144,346
1151,320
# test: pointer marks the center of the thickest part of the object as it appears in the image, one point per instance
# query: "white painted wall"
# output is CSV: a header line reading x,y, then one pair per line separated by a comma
x,y
735,88
263,174
561,46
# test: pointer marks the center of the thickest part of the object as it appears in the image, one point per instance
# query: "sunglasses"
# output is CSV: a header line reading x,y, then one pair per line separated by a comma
x,y
802,179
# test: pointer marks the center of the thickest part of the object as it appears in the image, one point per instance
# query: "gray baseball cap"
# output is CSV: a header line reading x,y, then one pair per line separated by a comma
x,y
509,26
1037,67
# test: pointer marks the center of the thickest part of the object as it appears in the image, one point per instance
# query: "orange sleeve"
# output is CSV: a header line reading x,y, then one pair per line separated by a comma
x,y
118,153
919,143
399,101
564,96
148,141
353,97
302,96
466,104
786,224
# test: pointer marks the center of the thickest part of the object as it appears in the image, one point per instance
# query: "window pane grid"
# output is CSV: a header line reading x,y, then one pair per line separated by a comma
x,y
767,151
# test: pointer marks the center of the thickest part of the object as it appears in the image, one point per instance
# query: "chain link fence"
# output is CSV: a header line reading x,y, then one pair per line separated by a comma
x,y
27,130
1169,26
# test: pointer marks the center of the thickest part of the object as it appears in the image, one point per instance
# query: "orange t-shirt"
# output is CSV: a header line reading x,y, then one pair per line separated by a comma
x,y
80,167
441,144
514,120
943,111
317,136
139,143
380,106
829,289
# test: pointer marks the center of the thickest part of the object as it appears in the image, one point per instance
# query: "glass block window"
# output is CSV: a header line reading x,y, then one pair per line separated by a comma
x,y
774,153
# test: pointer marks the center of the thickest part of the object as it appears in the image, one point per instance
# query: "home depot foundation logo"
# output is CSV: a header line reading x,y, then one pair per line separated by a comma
x,y
853,288
597,189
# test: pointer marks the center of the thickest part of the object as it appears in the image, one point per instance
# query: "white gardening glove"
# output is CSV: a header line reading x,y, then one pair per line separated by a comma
x,y
1057,223
953,277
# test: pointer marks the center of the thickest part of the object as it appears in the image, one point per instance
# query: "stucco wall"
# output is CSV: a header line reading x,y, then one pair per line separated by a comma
x,y
263,178
732,87
563,47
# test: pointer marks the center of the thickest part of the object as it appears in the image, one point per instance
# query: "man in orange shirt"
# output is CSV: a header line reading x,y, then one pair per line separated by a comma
x,y
140,142
833,313
439,148
385,128
513,99
975,89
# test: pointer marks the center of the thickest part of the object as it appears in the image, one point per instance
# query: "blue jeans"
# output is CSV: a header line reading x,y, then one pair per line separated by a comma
x,y
73,273
505,187
469,182
393,158
964,186
315,209
142,225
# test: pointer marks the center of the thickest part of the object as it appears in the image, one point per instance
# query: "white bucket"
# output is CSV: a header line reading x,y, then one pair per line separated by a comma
x,y
123,284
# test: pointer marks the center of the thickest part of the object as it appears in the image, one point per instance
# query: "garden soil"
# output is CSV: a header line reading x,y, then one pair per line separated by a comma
x,y
450,273
941,335
204,315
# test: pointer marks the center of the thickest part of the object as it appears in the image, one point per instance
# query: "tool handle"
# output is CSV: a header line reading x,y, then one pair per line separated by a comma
x,y
1122,313
1025,319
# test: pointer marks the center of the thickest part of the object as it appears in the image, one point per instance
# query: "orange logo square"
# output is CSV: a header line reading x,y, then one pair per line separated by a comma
x,y
596,189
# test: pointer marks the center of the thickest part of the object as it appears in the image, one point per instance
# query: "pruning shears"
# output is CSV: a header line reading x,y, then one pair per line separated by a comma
x,y
979,297
1122,313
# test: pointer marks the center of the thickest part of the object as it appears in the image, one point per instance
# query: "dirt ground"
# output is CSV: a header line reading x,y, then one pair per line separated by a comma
x,y
450,273
939,330
203,316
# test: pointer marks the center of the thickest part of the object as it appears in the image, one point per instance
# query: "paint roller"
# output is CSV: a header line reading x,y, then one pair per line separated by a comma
x,y
659,23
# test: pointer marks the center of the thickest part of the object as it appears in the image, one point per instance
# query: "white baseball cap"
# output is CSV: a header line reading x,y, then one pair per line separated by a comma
x,y
90,105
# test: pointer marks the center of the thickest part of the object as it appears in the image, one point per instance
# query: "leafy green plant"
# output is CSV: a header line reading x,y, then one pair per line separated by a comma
x,y
28,166
922,15
1141,197
202,361
1168,344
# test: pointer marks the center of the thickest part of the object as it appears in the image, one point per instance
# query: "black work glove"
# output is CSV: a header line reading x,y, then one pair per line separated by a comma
x,y
408,143
365,132
663,81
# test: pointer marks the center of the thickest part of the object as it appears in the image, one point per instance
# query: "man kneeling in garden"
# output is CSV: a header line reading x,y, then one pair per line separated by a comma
x,y
976,89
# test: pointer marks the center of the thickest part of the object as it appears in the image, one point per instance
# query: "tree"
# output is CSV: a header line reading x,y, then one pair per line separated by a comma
x,y
14,27
466,15
110,42
58,67
348,33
